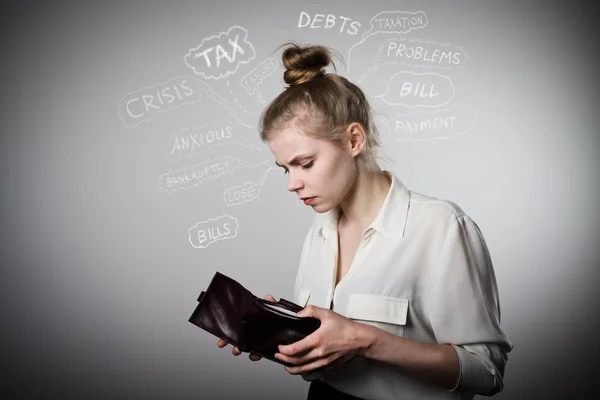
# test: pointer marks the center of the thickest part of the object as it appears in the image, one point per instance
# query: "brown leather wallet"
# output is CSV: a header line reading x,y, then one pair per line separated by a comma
x,y
231,312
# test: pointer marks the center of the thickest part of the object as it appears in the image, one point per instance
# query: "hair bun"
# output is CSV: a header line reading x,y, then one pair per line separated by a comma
x,y
304,63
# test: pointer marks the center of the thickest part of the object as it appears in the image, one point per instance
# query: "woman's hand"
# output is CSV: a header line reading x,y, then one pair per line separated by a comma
x,y
335,342
236,351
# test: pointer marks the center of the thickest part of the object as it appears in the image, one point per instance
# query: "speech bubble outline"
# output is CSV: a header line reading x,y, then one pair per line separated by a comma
x,y
403,31
432,114
255,88
176,175
372,31
258,186
217,37
207,222
203,87
377,65
442,77
203,149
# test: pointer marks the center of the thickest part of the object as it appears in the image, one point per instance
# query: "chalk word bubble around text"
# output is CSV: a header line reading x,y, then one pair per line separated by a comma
x,y
189,177
237,195
433,125
190,142
396,22
220,56
252,79
145,103
413,89
212,230
418,53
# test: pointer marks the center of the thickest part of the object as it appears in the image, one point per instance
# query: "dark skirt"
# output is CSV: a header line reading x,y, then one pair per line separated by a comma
x,y
318,390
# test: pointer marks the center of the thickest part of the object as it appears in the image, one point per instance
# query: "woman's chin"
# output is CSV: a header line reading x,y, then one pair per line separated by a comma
x,y
321,208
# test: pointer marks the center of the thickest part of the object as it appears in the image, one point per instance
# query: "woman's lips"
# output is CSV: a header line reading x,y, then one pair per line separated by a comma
x,y
308,201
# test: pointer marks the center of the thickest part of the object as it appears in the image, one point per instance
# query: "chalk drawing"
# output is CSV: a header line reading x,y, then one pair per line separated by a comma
x,y
191,176
252,80
149,101
431,125
219,56
237,102
191,142
412,53
396,22
205,233
329,21
412,89
392,22
237,195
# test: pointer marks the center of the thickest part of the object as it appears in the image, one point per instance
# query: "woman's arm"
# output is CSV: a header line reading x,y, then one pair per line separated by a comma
x,y
472,368
464,314
463,308
435,364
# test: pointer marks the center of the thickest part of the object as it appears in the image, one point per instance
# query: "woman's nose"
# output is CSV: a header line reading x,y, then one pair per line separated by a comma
x,y
294,183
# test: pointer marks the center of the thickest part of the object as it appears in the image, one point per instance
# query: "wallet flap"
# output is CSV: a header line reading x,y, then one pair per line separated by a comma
x,y
222,308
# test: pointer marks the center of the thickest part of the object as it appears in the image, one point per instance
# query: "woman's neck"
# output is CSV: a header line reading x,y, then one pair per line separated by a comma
x,y
364,200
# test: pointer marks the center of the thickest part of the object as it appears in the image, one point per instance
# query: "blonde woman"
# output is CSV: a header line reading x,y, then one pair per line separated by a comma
x,y
402,283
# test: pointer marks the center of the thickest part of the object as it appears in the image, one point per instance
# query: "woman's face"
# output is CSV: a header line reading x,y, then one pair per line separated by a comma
x,y
316,168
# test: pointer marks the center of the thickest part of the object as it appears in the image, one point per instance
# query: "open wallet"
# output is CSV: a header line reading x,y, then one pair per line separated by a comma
x,y
231,312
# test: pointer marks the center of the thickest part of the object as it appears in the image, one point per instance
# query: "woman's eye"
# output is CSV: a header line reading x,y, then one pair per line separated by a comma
x,y
305,166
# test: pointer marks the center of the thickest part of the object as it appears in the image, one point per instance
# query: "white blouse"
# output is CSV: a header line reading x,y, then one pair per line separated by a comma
x,y
423,272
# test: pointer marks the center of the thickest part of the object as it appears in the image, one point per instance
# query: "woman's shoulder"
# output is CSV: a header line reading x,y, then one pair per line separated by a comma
x,y
434,208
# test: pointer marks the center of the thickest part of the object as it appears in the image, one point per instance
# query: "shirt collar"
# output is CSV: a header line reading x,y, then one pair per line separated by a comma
x,y
390,221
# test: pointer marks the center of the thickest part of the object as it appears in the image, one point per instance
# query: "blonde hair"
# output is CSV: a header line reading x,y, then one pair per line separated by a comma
x,y
322,105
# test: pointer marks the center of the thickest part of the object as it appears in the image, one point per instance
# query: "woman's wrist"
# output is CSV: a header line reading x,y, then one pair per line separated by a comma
x,y
369,339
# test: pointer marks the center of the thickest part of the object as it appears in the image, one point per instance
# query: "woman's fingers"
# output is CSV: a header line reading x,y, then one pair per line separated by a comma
x,y
270,298
235,351
254,357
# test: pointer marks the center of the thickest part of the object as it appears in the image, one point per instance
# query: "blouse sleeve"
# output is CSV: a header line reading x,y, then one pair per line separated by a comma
x,y
464,308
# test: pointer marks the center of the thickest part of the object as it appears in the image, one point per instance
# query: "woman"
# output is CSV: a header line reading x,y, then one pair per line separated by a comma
x,y
402,283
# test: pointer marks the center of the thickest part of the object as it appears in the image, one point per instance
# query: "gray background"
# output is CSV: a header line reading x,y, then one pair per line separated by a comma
x,y
99,277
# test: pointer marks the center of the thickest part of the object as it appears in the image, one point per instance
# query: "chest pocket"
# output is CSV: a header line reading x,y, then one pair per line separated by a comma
x,y
383,312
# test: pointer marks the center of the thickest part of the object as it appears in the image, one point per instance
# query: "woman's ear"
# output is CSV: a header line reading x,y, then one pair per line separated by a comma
x,y
358,138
